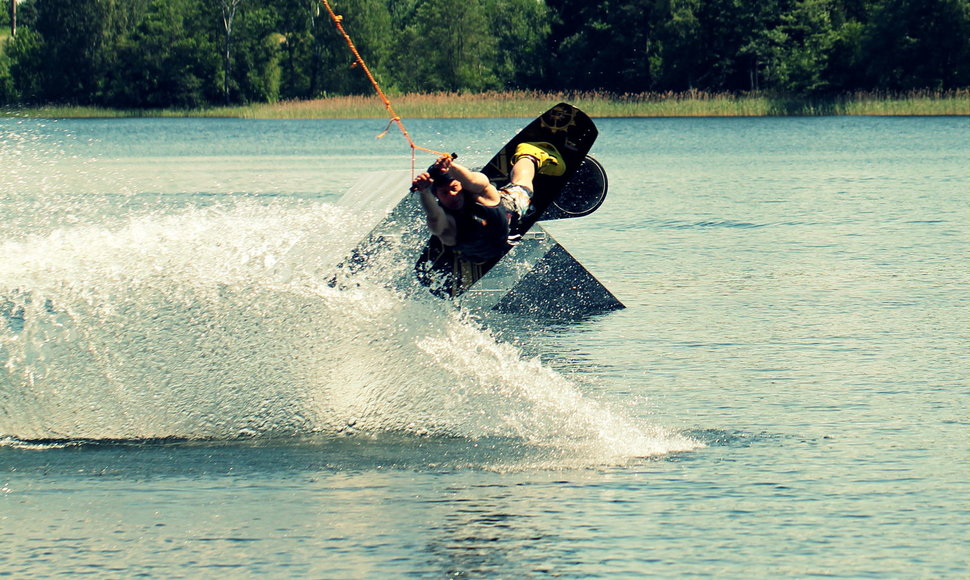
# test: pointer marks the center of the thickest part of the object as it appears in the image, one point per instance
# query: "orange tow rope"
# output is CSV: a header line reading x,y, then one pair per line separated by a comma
x,y
358,60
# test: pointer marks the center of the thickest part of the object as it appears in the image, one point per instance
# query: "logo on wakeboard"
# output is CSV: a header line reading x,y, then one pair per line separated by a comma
x,y
559,119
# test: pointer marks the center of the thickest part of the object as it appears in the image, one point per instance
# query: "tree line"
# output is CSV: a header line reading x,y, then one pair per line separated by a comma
x,y
197,53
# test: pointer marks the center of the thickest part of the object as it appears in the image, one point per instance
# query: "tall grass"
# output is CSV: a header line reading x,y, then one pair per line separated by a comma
x,y
600,104
520,104
529,104
942,103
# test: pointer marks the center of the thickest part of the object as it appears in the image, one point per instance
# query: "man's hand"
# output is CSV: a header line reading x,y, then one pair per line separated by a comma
x,y
421,182
440,167
443,164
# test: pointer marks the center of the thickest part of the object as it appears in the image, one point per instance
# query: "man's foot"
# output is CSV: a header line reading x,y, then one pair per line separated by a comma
x,y
547,157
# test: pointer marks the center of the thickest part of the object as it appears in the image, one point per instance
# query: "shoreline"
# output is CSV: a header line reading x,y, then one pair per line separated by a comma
x,y
529,104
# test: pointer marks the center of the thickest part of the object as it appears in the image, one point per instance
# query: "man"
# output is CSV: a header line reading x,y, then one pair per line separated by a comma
x,y
465,211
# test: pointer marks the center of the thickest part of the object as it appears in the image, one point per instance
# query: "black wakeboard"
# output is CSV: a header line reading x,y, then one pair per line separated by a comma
x,y
573,134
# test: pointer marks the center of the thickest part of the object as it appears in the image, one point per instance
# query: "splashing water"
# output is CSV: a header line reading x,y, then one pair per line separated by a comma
x,y
176,326
204,323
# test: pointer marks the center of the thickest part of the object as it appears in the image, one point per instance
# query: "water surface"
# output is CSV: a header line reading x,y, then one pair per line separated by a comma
x,y
785,395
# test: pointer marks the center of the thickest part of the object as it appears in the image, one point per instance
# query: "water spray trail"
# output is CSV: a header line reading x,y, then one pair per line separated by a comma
x,y
176,327
213,320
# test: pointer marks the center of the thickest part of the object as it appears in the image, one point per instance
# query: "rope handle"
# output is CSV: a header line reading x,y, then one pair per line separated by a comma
x,y
432,169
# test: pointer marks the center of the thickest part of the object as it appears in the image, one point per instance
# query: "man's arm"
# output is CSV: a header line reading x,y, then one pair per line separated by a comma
x,y
440,223
474,182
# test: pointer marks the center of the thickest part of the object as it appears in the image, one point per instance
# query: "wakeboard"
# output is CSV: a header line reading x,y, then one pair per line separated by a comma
x,y
580,190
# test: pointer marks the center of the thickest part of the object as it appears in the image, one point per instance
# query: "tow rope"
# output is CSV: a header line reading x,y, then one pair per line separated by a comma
x,y
395,118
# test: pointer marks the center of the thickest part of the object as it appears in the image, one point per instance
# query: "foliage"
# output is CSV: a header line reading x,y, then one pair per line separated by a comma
x,y
918,44
166,60
8,90
528,104
25,53
190,54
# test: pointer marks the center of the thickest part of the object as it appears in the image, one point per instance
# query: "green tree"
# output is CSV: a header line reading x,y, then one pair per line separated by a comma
x,y
728,29
300,23
8,89
797,50
522,30
844,69
269,77
257,73
26,57
676,56
79,42
606,46
168,60
297,66
369,24
914,44
227,10
192,53
448,47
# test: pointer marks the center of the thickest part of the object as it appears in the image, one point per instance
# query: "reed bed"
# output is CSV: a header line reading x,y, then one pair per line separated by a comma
x,y
939,103
529,104
520,104
688,104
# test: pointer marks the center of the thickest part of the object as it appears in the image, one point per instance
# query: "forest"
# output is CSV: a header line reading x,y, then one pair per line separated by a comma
x,y
201,53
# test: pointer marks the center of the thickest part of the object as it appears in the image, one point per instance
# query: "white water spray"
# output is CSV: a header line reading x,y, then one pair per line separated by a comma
x,y
199,321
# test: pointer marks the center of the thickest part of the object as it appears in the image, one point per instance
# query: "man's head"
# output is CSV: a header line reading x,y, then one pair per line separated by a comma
x,y
446,188
448,192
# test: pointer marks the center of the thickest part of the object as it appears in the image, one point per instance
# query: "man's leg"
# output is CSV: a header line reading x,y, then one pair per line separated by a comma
x,y
524,171
520,186
528,159
545,156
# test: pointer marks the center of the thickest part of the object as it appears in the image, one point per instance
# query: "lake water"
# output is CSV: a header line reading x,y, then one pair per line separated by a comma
x,y
785,395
